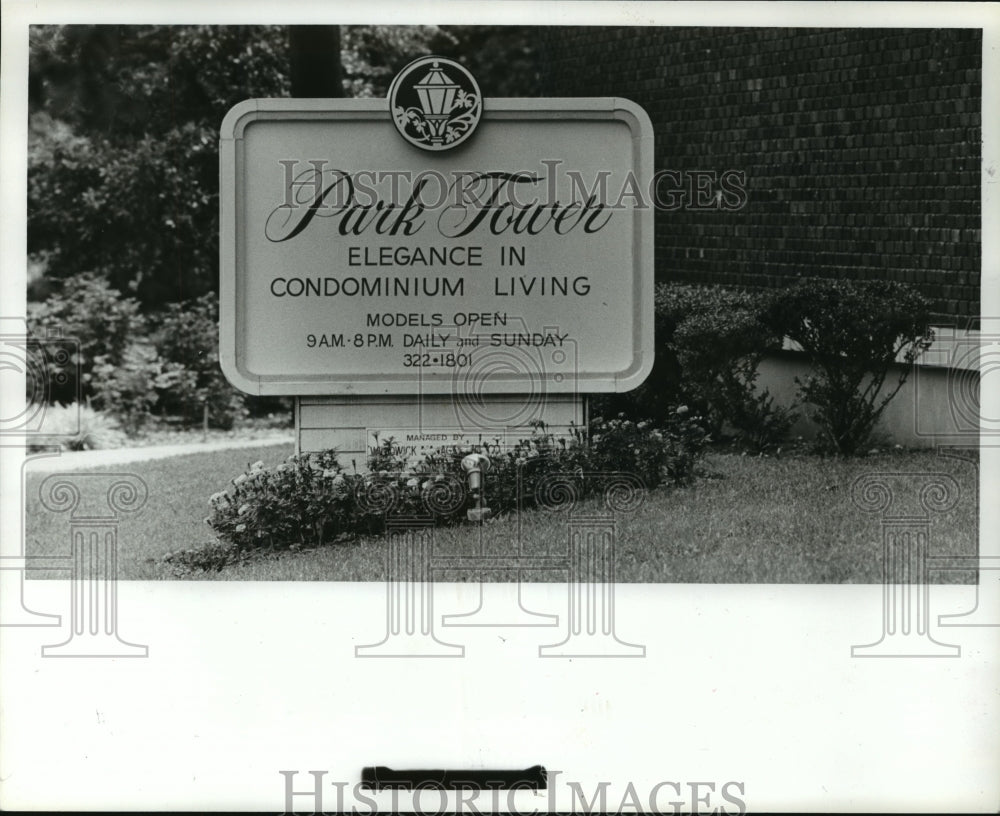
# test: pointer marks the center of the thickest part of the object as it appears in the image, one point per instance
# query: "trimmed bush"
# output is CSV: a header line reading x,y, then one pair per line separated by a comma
x,y
852,333
709,344
720,338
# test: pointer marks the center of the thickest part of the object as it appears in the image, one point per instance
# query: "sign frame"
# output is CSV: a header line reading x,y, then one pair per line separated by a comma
x,y
495,110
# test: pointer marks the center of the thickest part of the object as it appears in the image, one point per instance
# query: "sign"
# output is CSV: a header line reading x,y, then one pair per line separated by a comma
x,y
414,444
357,262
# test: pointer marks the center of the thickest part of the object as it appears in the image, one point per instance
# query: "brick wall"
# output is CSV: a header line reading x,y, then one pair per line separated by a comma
x,y
861,148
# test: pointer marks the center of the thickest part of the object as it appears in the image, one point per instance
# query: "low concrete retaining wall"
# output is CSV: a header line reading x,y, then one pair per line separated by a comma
x,y
938,404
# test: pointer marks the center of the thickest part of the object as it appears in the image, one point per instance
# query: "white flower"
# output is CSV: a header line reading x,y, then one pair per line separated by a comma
x,y
412,482
338,479
282,468
258,465
244,508
642,425
426,485
218,497
240,528
240,479
682,409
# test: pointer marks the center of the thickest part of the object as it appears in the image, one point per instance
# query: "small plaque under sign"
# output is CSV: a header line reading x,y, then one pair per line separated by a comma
x,y
414,444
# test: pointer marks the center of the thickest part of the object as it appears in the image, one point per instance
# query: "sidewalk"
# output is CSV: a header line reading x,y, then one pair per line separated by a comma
x,y
81,460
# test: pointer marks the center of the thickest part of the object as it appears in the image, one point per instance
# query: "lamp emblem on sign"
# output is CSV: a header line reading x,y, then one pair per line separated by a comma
x,y
435,103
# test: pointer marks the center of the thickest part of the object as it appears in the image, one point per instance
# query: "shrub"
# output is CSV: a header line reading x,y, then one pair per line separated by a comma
x,y
310,500
187,338
667,453
720,339
514,472
709,344
75,428
128,390
87,310
761,424
306,501
852,333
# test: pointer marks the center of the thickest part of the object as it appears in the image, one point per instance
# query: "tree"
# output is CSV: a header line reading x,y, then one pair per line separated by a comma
x,y
315,61
504,59
372,55
123,161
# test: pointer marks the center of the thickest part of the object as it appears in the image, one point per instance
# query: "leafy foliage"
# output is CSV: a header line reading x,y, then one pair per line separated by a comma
x,y
85,309
135,153
371,55
709,344
186,338
504,59
125,82
124,128
853,332
310,500
128,390
76,427
305,501
719,340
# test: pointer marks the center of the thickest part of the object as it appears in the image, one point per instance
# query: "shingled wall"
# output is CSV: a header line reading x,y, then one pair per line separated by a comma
x,y
861,148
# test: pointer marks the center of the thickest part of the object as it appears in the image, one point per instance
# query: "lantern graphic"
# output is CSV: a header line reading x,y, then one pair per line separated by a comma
x,y
434,109
437,98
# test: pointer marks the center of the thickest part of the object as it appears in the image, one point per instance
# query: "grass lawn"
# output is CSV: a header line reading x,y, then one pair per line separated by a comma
x,y
744,520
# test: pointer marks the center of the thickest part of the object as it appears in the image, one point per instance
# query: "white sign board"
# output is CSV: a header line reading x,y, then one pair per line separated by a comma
x,y
353,262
